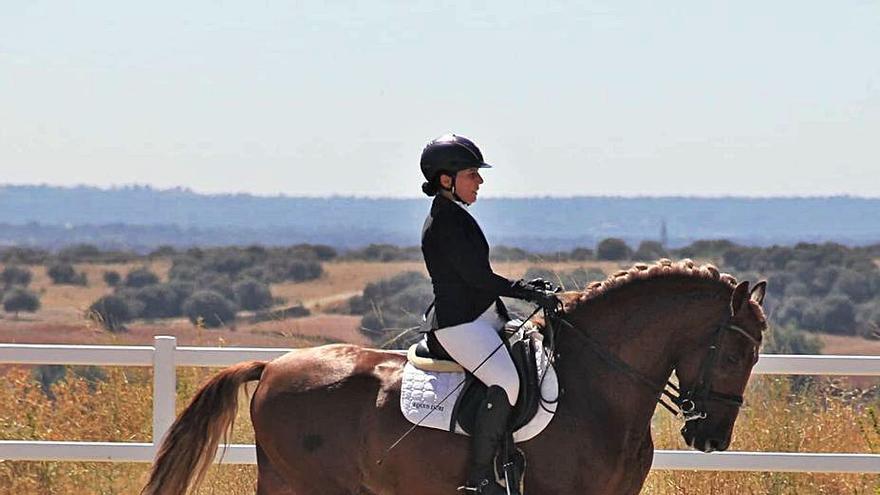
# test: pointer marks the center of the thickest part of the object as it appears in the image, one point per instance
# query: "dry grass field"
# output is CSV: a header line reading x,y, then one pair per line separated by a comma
x,y
118,407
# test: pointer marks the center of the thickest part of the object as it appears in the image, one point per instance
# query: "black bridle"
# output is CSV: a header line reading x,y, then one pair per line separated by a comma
x,y
687,404
691,403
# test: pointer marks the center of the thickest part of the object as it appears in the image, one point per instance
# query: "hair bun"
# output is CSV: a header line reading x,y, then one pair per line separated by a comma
x,y
429,188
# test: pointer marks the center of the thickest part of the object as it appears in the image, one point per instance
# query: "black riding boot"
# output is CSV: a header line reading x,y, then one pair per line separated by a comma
x,y
490,429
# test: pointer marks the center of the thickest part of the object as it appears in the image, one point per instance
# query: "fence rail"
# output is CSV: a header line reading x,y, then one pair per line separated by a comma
x,y
164,356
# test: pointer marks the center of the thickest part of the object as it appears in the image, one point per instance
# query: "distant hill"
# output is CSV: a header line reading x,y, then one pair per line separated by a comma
x,y
142,218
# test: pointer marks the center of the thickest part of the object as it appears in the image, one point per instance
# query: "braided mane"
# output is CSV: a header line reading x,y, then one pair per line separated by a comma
x,y
641,271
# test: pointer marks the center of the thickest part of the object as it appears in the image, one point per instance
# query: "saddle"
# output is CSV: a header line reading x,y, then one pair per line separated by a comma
x,y
438,393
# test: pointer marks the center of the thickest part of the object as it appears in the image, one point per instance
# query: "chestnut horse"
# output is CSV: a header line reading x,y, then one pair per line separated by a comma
x,y
323,417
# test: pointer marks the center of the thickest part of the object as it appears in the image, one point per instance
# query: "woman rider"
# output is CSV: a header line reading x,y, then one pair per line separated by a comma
x,y
468,312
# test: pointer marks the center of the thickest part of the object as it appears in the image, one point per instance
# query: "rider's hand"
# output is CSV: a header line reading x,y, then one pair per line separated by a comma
x,y
540,283
547,300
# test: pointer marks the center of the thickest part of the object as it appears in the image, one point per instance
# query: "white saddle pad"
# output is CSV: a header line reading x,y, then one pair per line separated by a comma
x,y
427,398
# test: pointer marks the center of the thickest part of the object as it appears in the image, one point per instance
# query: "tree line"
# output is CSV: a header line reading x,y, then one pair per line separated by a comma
x,y
827,288
817,287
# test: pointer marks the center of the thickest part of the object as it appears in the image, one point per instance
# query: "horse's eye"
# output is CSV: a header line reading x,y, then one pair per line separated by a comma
x,y
733,359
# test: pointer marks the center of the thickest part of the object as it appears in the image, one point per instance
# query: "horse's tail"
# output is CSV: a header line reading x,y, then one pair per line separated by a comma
x,y
189,447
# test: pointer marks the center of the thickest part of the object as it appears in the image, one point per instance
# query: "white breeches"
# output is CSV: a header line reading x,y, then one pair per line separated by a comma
x,y
471,343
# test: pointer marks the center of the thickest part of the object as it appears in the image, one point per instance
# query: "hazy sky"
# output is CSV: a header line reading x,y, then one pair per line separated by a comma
x,y
565,98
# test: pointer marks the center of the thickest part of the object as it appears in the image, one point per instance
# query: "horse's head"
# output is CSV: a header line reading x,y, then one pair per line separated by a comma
x,y
714,371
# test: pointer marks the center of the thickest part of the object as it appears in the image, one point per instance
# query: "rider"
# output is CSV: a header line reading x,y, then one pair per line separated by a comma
x,y
467,310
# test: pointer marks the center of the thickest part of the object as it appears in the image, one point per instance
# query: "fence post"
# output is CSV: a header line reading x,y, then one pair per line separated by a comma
x,y
164,385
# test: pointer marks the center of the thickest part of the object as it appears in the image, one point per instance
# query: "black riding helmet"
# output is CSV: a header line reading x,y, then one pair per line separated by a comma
x,y
449,154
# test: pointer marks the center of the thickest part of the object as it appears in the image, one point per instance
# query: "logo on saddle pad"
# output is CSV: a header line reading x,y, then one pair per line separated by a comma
x,y
439,394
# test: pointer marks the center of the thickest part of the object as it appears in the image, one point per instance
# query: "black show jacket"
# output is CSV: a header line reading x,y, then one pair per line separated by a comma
x,y
457,257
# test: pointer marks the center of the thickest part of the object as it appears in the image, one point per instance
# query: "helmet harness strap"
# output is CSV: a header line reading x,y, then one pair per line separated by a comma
x,y
452,189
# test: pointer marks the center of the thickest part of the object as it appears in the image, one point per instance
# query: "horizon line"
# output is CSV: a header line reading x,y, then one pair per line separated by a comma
x,y
190,190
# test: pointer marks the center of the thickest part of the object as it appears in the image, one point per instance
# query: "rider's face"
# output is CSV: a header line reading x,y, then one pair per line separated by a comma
x,y
467,183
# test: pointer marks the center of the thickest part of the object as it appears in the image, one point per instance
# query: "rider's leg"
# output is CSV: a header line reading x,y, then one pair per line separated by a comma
x,y
470,344
490,430
477,347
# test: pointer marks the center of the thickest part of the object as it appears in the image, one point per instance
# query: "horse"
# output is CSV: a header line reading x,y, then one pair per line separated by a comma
x,y
325,417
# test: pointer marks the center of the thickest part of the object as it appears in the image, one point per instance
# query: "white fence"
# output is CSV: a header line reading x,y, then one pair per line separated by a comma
x,y
164,356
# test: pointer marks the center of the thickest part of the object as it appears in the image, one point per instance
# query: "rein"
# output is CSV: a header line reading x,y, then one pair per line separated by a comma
x,y
684,403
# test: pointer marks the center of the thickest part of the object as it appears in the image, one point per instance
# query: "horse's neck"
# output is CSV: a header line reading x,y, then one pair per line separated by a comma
x,y
645,331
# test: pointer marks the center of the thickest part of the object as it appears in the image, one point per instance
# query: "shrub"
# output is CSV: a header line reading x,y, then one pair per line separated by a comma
x,y
387,287
868,319
303,270
837,315
209,308
217,282
79,252
317,252
252,295
786,339
707,248
229,261
140,277
183,269
387,321
259,273
112,278
47,375
63,273
791,312
163,251
20,299
825,278
294,270
15,275
796,288
738,258
806,272
649,251
297,264
857,286
159,301
613,249
24,255
112,312
581,254
385,252
392,305
412,301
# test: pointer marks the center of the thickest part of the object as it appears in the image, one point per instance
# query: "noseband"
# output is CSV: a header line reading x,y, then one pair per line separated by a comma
x,y
691,403
688,404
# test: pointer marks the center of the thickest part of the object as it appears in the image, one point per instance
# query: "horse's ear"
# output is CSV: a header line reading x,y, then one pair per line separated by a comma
x,y
740,294
758,292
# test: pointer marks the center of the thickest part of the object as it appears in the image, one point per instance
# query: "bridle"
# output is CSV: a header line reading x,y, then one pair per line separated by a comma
x,y
685,403
691,403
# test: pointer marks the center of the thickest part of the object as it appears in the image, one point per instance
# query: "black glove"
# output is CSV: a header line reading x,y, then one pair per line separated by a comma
x,y
546,299
540,283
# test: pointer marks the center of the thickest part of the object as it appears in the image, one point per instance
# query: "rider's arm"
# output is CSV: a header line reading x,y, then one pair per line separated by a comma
x,y
468,261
